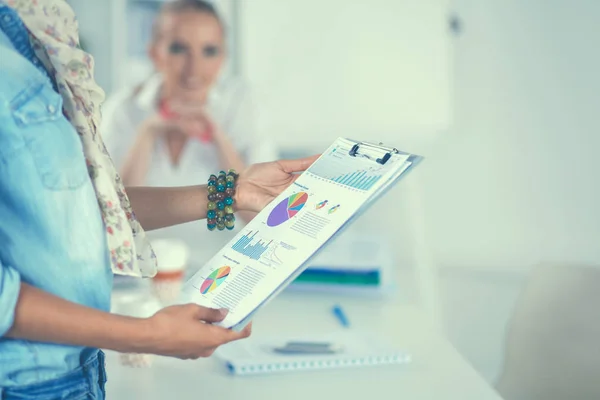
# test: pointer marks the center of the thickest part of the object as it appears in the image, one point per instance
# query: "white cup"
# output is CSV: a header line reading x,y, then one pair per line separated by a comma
x,y
172,256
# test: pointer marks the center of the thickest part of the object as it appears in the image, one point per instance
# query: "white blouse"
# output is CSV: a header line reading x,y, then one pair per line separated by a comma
x,y
230,106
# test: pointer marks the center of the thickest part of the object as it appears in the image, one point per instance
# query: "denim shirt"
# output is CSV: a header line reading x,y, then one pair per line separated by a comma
x,y
51,231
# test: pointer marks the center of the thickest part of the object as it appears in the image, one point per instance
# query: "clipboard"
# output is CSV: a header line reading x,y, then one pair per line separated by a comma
x,y
376,153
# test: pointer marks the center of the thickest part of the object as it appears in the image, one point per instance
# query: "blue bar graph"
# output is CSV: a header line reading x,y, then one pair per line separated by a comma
x,y
254,251
358,180
362,181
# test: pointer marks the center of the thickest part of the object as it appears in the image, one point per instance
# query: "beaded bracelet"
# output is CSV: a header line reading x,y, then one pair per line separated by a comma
x,y
221,190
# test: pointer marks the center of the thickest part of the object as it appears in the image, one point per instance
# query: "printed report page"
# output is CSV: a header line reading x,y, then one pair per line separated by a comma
x,y
278,241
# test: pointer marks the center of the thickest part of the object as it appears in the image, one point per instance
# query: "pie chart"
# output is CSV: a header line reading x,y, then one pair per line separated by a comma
x,y
287,209
215,279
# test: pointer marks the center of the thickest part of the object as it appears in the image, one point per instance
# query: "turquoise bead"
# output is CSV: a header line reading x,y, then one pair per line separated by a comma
x,y
230,184
229,201
220,205
212,183
220,188
211,227
211,214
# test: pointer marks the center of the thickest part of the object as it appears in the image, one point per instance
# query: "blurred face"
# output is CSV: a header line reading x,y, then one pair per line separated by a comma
x,y
189,53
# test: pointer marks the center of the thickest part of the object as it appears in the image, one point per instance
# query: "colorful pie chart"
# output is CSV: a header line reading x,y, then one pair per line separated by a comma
x,y
287,209
214,280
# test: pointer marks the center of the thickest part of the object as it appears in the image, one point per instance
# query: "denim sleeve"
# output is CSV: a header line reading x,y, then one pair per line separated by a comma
x,y
10,283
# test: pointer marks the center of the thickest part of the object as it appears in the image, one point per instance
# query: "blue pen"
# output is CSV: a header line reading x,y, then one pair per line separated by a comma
x,y
341,316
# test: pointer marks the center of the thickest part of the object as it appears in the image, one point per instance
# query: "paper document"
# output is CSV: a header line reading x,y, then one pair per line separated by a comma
x,y
274,247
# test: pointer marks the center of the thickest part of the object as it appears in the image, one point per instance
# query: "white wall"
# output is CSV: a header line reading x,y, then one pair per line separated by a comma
x,y
526,94
512,183
517,181
374,70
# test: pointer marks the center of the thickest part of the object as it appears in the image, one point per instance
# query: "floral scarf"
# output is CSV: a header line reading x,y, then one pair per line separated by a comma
x,y
55,37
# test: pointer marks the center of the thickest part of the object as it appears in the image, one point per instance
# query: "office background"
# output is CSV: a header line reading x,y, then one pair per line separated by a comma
x,y
499,96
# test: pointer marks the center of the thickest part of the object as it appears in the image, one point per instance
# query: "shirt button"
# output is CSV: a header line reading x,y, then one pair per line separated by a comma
x,y
51,109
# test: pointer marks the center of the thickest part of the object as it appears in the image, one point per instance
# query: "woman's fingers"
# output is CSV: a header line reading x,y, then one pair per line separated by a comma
x,y
298,165
189,110
207,314
231,335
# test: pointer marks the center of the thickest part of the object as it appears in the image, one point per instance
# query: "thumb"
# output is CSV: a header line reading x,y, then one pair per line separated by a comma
x,y
209,314
298,165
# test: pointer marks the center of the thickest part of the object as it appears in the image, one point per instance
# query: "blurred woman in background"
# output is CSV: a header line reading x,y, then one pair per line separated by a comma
x,y
186,121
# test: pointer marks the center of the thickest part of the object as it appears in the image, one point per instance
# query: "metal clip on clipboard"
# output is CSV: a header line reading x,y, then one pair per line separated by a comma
x,y
354,151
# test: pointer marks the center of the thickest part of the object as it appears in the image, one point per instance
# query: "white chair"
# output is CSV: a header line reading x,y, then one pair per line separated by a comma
x,y
553,342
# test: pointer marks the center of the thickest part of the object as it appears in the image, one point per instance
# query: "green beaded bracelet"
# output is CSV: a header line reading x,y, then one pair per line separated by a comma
x,y
221,190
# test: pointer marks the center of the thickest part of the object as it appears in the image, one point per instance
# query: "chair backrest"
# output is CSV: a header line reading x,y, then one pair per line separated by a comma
x,y
553,342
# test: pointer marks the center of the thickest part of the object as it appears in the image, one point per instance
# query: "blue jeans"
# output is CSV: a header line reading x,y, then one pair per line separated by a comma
x,y
85,383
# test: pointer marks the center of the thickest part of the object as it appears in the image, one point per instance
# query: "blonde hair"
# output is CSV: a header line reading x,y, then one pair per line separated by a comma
x,y
177,6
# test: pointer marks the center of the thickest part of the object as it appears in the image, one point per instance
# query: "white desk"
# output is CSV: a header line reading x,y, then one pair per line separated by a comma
x,y
437,371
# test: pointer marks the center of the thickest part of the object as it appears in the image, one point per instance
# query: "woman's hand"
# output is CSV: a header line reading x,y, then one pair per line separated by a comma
x,y
156,125
182,331
257,186
194,121
261,183
185,331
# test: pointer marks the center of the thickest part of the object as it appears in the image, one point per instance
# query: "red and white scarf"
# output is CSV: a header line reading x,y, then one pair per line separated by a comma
x,y
54,34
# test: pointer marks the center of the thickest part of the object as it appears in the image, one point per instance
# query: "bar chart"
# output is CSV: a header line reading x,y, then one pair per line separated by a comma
x,y
250,246
340,168
359,180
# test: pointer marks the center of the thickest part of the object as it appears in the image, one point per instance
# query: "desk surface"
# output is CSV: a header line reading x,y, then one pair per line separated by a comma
x,y
437,371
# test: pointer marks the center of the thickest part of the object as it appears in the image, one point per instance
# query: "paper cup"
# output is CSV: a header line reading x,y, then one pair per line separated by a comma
x,y
172,257
139,306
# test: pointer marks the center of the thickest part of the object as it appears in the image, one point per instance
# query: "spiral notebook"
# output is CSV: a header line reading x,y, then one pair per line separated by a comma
x,y
260,356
